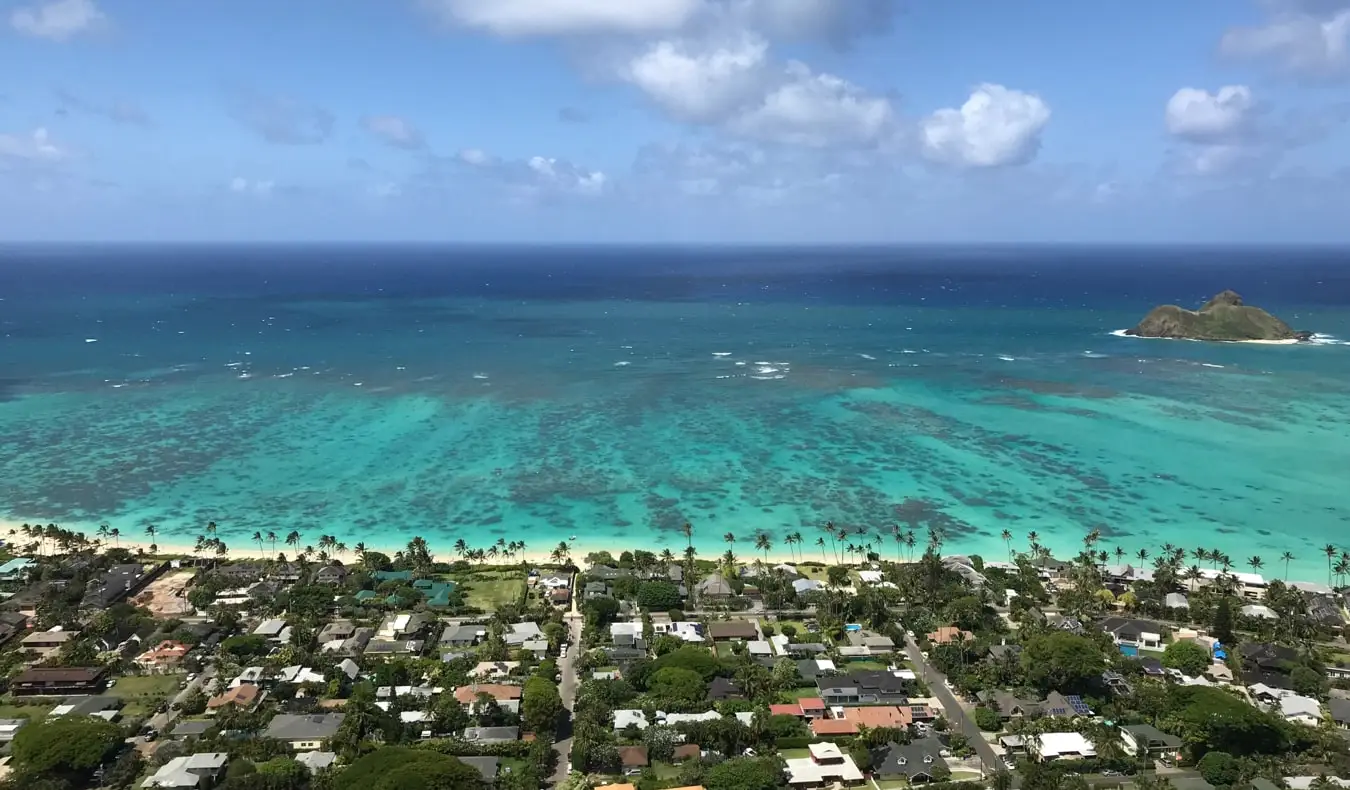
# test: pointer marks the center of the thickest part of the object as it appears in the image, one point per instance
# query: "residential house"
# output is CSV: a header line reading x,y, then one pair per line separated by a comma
x,y
723,631
554,582
46,643
190,729
333,574
878,645
793,709
1258,611
299,675
630,717
493,670
59,681
914,762
456,637
811,669
870,687
720,688
492,734
688,631
804,586
595,590
1134,633
633,757
521,633
812,707
1147,739
352,645
1063,746
402,626
336,631
245,696
1300,709
559,596
16,570
1176,601
163,657
871,716
1251,586
318,761
607,573
948,634
392,647
11,625
273,630
250,675
381,577
799,649
825,765
1267,663
1062,706
1340,712
627,634
191,771
506,697
1326,611
304,733
714,587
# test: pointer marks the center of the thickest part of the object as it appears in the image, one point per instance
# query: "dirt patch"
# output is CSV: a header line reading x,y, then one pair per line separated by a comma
x,y
167,595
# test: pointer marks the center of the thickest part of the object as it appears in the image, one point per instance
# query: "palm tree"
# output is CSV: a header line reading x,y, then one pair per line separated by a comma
x,y
1287,557
340,548
1007,541
461,548
1142,554
763,542
150,530
730,540
1330,551
1120,554
909,544
821,543
272,538
688,531
293,539
258,538
103,531
1342,568
829,530
797,539
360,552
1255,562
211,528
116,536
1200,554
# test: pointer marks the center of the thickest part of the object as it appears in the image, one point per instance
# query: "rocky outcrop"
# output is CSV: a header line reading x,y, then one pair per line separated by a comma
x,y
1223,318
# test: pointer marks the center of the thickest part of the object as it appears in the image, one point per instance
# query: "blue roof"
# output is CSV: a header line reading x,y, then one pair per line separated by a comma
x,y
15,565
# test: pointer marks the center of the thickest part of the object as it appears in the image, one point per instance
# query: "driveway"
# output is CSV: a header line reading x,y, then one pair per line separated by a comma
x,y
161,721
956,715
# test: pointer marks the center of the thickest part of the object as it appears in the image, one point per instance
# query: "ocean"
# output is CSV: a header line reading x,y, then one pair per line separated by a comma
x,y
612,394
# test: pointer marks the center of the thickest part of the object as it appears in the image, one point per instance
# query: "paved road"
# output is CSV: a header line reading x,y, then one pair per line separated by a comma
x,y
567,688
956,715
161,721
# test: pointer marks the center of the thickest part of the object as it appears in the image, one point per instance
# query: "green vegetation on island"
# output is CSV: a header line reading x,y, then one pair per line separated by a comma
x,y
1223,318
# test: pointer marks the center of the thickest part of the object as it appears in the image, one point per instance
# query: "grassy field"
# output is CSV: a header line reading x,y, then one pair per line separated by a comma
x,y
794,754
862,665
142,693
30,712
487,590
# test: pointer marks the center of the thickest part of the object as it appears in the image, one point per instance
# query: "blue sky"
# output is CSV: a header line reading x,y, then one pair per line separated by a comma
x,y
698,121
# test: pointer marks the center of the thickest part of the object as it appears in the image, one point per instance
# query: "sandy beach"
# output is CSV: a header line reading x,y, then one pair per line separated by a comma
x,y
443,553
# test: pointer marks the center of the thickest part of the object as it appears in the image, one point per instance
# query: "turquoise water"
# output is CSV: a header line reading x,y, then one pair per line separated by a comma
x,y
476,414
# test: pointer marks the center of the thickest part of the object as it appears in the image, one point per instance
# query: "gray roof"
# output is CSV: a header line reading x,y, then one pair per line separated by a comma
x,y
716,584
189,728
487,766
289,727
1340,710
913,759
316,761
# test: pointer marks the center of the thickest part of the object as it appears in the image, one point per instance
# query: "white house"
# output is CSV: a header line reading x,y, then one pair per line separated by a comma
x,y
825,765
1064,746
188,771
1301,710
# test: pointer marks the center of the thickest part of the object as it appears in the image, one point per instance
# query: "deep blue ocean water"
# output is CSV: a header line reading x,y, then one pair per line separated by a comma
x,y
376,393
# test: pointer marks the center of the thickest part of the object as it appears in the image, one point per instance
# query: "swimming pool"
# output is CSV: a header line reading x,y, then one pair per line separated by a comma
x,y
1129,650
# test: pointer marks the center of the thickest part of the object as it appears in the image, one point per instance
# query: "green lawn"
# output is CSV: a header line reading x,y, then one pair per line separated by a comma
x,y
665,771
30,712
794,754
801,693
490,589
867,664
142,693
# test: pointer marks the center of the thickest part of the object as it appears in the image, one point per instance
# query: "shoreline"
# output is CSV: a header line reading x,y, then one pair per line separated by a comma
x,y
1290,342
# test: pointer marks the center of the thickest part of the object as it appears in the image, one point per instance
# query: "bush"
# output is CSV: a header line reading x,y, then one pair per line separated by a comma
x,y
988,719
401,768
1186,656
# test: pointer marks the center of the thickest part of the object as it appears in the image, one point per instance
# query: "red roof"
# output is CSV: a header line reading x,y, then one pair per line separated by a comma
x,y
785,710
834,727
811,703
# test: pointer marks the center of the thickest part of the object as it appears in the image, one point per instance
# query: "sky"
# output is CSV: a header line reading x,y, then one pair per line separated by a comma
x,y
675,121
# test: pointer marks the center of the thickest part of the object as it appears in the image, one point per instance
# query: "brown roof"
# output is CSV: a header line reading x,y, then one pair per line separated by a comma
x,y
811,703
879,716
948,634
733,629
785,710
633,756
467,694
834,727
687,751
61,675
245,694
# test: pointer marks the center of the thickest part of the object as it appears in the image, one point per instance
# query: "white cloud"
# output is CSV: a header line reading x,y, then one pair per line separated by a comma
x,y
475,157
393,130
243,186
567,17
36,146
996,126
1198,115
58,20
701,81
564,176
1307,39
816,110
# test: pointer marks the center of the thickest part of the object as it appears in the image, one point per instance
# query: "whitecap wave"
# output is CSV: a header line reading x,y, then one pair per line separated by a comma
x,y
622,364
1210,365
1007,358
867,356
91,340
721,353
480,376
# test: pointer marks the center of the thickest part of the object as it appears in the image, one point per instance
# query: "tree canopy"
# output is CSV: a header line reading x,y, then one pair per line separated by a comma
x,y
1209,719
658,596
67,747
745,774
1186,656
1062,661
401,768
540,705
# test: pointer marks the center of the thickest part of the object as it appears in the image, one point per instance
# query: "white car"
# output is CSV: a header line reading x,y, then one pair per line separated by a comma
x,y
191,677
563,653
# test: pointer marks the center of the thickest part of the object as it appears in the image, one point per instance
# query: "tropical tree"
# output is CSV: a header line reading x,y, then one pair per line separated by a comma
x,y
293,539
258,538
116,535
1007,541
821,543
1330,551
272,538
730,539
688,531
1255,562
1287,557
763,542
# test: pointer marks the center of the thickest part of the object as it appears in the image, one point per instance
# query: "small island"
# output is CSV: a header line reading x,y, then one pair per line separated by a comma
x,y
1224,318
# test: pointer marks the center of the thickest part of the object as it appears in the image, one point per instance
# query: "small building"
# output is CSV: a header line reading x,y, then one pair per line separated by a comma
x,y
190,729
164,656
633,757
190,771
915,761
948,634
1300,709
461,636
45,643
1258,611
824,766
318,761
16,570
1134,633
521,633
723,631
1176,601
245,696
9,728
492,734
714,587
1340,712
333,574
54,681
487,767
99,706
